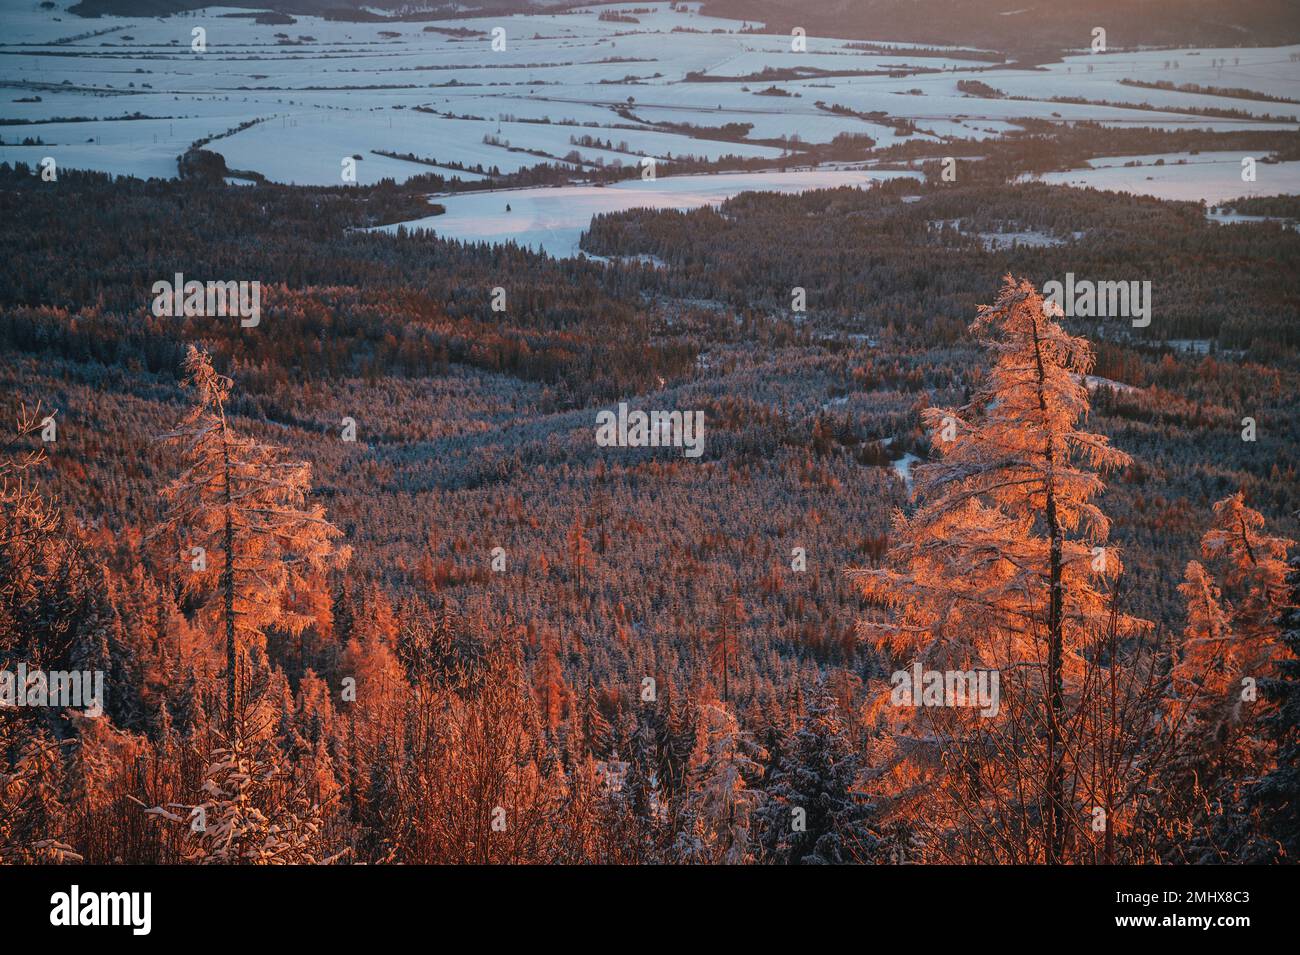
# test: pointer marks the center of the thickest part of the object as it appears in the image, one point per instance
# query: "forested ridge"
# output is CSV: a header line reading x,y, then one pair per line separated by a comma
x,y
977,22
520,685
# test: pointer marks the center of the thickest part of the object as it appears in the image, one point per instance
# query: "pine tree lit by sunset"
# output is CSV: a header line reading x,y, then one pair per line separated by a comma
x,y
1006,550
256,552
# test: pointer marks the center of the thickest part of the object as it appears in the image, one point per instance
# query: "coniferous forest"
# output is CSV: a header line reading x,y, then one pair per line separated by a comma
x,y
364,587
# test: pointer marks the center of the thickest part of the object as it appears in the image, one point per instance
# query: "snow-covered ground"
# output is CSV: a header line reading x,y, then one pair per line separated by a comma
x,y
323,90
1233,218
903,468
1093,382
1212,177
552,220
1008,238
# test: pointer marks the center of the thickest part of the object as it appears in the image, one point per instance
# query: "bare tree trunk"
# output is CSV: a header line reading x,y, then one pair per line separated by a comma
x,y
228,586
1056,765
1055,640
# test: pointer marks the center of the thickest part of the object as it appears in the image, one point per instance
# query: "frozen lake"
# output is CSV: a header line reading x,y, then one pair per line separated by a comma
x,y
552,220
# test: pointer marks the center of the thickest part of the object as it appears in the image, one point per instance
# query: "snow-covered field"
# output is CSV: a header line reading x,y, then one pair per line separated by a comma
x,y
1212,177
553,220
323,90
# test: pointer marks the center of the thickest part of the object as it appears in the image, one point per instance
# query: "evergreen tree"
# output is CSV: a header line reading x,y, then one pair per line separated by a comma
x,y
814,814
254,813
246,508
1231,638
720,806
596,731
646,800
1276,797
1001,566
579,552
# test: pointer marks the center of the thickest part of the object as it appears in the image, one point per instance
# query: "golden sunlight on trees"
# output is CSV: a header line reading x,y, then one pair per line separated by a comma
x,y
694,695
1004,563
248,538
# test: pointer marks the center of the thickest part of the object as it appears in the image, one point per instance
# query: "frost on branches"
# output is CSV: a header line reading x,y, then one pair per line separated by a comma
x,y
252,547
721,804
1004,564
1232,645
254,812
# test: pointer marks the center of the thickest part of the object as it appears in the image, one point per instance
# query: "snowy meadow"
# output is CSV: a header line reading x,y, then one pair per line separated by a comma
x,y
593,91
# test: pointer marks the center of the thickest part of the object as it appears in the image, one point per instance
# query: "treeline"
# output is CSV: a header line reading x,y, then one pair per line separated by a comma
x,y
1046,145
437,307
870,256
